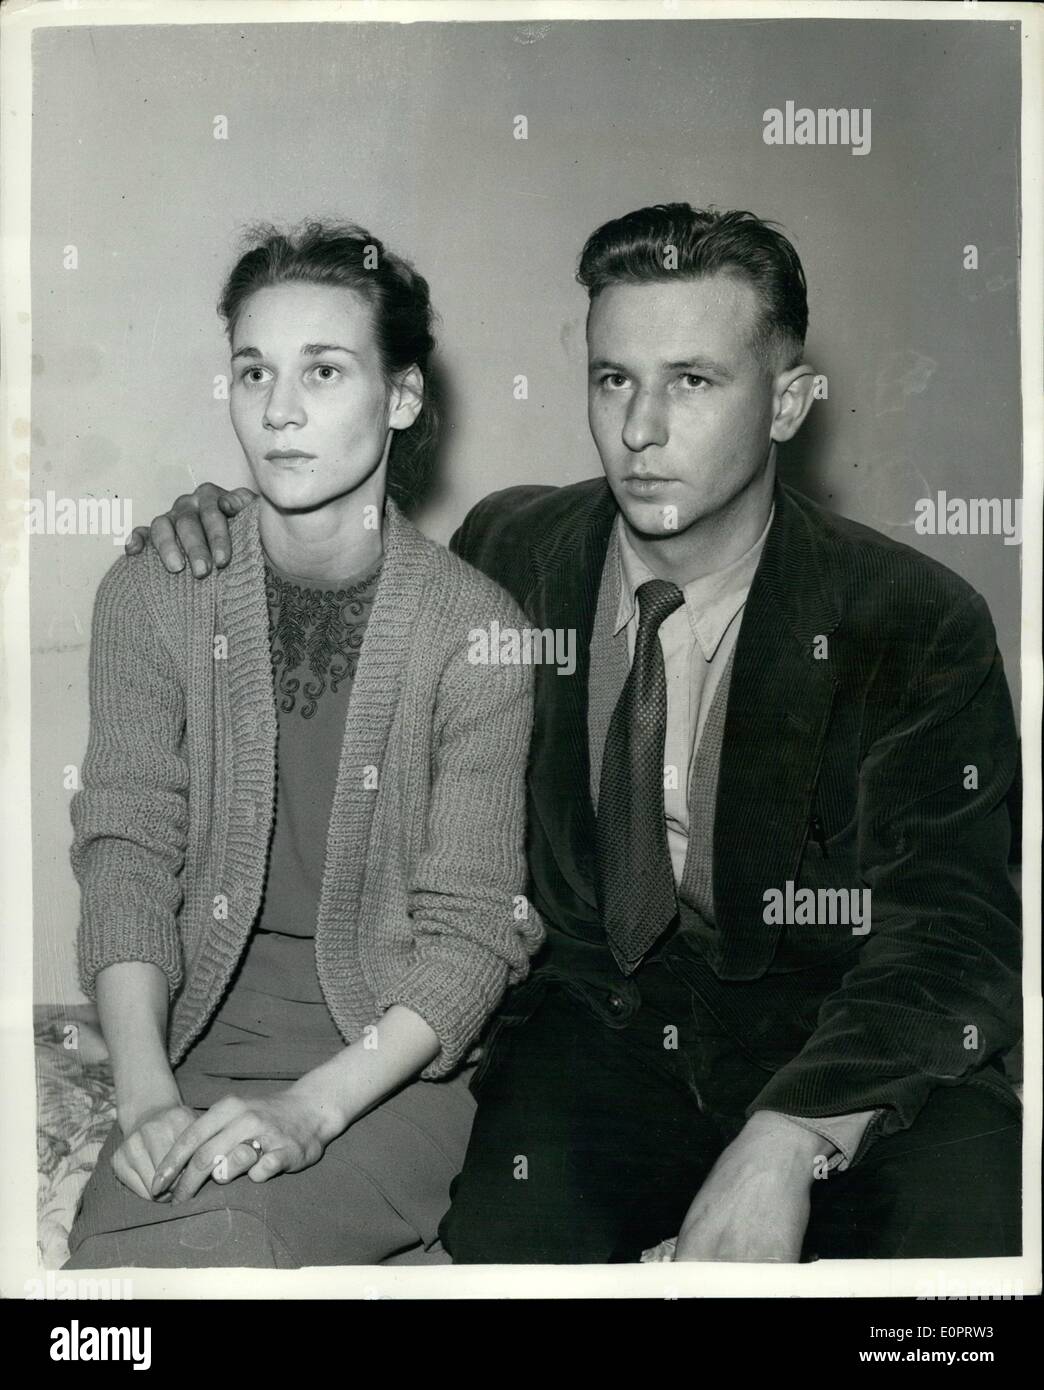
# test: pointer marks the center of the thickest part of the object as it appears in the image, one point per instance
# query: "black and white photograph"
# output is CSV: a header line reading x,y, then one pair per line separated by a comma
x,y
520,566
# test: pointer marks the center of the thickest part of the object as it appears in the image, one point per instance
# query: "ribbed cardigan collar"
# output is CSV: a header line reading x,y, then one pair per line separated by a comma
x,y
241,614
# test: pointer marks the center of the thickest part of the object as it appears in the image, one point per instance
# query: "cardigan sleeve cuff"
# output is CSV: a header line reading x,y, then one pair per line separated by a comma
x,y
455,992
98,950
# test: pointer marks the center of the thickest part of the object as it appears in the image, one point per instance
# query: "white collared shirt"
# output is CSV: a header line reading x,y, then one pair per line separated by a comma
x,y
696,640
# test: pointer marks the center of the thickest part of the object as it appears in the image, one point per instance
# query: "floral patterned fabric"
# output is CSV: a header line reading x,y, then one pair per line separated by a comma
x,y
75,1110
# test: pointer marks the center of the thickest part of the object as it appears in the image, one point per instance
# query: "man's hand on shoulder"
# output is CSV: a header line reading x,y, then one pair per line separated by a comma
x,y
754,1204
196,526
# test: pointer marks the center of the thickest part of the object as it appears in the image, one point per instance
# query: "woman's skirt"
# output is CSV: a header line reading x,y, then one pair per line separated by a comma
x,y
380,1189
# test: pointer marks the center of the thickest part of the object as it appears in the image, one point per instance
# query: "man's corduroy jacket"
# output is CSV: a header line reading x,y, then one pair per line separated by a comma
x,y
869,743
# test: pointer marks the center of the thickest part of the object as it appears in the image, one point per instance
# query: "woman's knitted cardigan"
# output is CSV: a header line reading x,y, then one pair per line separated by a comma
x,y
422,898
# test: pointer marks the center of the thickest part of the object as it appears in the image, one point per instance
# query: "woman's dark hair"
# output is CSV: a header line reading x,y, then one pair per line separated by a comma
x,y
348,257
673,240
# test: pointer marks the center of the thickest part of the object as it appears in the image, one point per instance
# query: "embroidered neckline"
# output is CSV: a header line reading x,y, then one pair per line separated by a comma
x,y
316,633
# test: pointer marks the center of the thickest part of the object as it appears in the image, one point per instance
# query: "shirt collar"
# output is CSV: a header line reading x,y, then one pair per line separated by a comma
x,y
710,602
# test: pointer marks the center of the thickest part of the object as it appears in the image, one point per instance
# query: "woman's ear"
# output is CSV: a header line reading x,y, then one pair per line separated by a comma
x,y
792,397
407,398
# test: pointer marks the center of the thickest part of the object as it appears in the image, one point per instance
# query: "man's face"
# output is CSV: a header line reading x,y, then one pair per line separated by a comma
x,y
309,403
680,407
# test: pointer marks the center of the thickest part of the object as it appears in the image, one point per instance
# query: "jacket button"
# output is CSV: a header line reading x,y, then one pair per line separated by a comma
x,y
615,1004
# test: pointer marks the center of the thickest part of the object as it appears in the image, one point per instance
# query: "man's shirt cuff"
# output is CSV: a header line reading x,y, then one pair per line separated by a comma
x,y
844,1133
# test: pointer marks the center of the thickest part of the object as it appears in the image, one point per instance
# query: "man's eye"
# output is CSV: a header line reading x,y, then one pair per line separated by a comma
x,y
613,380
252,375
326,372
693,382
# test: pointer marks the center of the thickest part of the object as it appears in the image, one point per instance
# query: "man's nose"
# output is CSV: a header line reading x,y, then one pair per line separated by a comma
x,y
646,422
284,407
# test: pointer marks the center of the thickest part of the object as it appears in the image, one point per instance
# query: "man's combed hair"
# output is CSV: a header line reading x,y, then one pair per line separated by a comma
x,y
676,241
347,256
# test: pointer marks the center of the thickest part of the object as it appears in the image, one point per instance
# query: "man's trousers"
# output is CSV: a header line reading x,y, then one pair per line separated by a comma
x,y
600,1115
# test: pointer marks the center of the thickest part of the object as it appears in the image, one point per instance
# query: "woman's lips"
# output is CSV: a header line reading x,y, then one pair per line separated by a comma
x,y
288,462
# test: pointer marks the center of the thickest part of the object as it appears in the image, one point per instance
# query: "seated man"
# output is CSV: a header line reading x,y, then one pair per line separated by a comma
x,y
768,828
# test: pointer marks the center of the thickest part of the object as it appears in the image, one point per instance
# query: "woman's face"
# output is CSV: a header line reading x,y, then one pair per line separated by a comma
x,y
309,402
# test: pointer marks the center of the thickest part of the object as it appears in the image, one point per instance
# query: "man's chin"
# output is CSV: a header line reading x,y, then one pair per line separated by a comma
x,y
657,518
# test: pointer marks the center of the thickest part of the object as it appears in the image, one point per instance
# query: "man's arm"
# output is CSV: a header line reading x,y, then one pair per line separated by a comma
x,y
196,526
754,1204
936,988
842,1135
935,992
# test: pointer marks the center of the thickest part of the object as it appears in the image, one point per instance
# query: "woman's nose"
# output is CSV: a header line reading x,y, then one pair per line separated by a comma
x,y
283,407
646,422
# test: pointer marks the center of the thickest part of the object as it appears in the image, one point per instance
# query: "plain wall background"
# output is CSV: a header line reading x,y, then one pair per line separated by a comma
x,y
409,130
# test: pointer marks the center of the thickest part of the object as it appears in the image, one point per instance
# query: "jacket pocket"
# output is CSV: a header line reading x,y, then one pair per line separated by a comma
x,y
828,909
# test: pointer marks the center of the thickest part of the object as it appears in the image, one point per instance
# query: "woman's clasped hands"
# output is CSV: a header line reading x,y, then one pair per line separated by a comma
x,y
260,1137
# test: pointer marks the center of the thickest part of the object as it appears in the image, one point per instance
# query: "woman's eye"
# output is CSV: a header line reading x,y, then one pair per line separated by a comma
x,y
614,380
252,376
325,372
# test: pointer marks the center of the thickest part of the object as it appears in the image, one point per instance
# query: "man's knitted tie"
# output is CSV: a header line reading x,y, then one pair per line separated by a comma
x,y
635,878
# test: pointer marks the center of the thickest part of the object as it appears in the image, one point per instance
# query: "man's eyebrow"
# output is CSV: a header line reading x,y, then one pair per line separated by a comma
x,y
307,350
699,364
685,364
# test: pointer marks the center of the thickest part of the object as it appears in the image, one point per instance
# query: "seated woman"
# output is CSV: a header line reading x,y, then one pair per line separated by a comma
x,y
299,840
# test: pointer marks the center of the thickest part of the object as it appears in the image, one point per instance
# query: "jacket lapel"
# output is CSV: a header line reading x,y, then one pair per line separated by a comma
x,y
779,708
565,596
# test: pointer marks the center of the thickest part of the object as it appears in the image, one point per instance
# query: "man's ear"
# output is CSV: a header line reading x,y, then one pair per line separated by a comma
x,y
407,398
792,397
